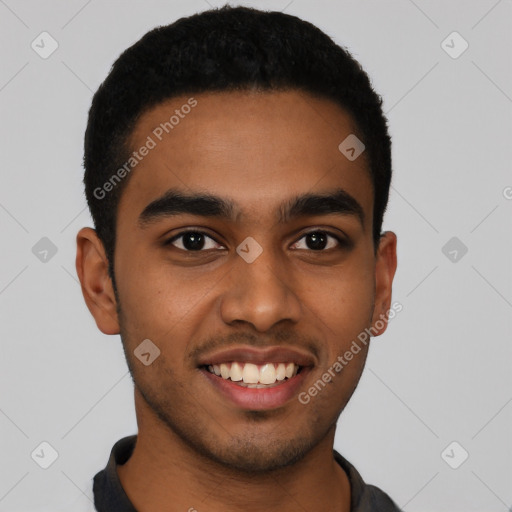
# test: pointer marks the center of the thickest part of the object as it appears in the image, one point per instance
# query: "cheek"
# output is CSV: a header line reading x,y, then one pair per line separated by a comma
x,y
161,303
342,301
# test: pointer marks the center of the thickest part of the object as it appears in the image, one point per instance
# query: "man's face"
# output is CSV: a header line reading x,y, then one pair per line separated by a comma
x,y
311,290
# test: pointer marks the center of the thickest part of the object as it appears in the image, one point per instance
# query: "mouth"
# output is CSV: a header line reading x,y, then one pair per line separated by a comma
x,y
255,376
254,379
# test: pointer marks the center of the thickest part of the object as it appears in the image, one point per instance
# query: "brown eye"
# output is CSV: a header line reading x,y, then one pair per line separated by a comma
x,y
192,241
321,240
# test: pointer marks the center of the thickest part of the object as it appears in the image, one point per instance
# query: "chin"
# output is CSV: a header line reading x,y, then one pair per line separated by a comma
x,y
248,456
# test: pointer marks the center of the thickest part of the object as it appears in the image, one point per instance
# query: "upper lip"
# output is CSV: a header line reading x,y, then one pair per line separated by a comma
x,y
254,355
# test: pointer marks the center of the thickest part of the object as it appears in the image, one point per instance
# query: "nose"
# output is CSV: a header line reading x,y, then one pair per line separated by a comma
x,y
260,293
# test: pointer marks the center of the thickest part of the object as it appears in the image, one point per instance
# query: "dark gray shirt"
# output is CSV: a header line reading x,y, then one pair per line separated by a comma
x,y
109,495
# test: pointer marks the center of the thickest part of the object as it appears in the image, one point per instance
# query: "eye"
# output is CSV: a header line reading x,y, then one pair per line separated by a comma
x,y
198,241
192,241
319,241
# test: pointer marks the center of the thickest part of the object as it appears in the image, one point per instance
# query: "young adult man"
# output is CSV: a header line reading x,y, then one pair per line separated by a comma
x,y
237,168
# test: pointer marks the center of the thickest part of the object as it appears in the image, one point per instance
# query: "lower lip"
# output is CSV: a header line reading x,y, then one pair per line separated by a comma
x,y
257,399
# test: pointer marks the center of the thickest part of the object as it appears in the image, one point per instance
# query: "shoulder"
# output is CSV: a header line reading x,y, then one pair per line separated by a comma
x,y
375,499
365,497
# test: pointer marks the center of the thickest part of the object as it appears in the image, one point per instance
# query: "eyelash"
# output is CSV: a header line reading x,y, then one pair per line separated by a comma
x,y
342,242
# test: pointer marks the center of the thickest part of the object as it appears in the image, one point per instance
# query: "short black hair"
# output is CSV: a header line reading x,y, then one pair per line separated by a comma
x,y
225,49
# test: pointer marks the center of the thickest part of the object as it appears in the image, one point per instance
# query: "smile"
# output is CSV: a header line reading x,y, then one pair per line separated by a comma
x,y
255,375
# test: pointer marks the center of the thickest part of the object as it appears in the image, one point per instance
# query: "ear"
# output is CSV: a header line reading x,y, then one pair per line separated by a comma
x,y
385,267
97,289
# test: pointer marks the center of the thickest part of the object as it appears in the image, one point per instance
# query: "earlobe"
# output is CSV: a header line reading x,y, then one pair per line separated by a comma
x,y
92,269
385,267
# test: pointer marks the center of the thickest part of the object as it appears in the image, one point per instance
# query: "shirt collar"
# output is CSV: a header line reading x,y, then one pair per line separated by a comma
x,y
109,495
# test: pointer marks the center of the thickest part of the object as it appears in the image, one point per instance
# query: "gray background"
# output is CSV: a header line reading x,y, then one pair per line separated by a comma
x,y
441,372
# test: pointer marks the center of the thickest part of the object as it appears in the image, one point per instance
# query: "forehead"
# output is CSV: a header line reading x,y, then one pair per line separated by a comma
x,y
257,148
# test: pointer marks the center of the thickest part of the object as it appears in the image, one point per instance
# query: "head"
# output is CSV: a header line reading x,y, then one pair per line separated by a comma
x,y
241,114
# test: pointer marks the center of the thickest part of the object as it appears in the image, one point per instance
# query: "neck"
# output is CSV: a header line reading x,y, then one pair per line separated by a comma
x,y
164,474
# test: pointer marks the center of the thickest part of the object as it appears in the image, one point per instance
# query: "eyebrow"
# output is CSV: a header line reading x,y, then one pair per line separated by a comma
x,y
176,202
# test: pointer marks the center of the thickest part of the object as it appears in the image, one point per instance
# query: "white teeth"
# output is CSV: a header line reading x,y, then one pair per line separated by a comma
x,y
255,376
224,371
267,374
235,372
250,374
281,371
